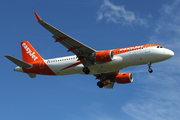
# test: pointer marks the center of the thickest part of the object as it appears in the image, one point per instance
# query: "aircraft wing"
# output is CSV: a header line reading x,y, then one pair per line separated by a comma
x,y
70,43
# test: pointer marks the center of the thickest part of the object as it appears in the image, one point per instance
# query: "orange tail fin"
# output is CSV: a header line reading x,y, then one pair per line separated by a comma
x,y
29,54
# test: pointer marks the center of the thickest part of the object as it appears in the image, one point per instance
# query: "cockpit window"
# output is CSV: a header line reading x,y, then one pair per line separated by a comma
x,y
160,47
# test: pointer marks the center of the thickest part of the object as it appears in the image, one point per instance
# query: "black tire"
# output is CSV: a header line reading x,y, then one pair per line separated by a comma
x,y
86,70
100,84
150,70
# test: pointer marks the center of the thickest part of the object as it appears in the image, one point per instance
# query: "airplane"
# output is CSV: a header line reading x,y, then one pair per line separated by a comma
x,y
104,65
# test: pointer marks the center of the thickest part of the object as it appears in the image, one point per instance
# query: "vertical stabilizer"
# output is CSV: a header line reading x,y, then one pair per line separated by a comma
x,y
29,54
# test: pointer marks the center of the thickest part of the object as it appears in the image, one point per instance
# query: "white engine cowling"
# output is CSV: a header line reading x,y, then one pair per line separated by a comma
x,y
124,78
104,56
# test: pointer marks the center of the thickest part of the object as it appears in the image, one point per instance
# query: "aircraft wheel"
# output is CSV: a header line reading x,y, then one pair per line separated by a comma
x,y
86,70
100,84
150,70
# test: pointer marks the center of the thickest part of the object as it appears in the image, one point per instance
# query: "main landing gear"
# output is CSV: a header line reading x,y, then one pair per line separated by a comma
x,y
86,70
100,84
150,70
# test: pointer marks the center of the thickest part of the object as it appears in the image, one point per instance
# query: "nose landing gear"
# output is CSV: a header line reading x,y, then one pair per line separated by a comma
x,y
150,70
149,65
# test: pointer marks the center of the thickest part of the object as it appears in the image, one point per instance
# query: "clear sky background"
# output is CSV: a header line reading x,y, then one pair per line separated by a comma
x,y
100,24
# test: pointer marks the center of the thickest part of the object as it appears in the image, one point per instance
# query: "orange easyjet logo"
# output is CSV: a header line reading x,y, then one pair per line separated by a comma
x,y
29,51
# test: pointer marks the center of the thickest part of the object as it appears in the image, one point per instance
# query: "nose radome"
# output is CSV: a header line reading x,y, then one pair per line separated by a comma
x,y
170,53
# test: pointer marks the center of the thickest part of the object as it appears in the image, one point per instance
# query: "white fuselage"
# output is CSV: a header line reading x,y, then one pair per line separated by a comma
x,y
71,65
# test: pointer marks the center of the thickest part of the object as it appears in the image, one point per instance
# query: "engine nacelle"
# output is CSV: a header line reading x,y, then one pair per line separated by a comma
x,y
104,56
124,78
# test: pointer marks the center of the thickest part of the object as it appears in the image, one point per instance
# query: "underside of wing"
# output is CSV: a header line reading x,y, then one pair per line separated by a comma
x,y
107,80
109,85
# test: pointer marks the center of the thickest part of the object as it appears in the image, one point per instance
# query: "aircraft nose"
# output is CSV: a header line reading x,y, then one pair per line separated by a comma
x,y
169,53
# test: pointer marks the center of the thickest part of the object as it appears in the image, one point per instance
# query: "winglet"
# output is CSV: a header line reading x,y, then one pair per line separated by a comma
x,y
37,17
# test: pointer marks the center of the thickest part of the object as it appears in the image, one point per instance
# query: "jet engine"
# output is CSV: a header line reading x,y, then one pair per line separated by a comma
x,y
124,78
104,56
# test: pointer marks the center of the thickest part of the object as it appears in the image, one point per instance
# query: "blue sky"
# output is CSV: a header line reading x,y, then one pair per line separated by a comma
x,y
100,24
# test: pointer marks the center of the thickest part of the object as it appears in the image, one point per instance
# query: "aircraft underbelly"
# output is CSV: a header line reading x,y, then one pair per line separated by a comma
x,y
75,68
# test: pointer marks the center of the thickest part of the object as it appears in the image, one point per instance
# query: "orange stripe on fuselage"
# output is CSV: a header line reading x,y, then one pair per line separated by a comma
x,y
128,49
39,68
75,64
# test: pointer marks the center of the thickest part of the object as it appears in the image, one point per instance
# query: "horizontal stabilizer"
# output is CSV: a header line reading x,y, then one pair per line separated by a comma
x,y
18,62
32,75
